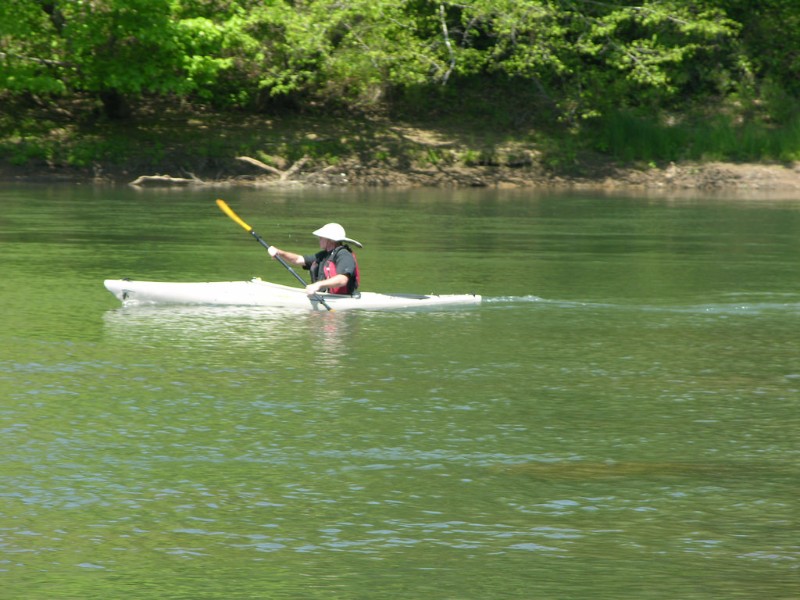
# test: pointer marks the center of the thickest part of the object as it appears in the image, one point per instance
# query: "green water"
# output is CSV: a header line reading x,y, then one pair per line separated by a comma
x,y
617,420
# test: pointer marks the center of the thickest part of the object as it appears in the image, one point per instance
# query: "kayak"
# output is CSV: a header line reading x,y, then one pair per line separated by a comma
x,y
263,293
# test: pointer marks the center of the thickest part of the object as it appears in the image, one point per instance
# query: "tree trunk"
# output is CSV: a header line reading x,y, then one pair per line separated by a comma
x,y
115,105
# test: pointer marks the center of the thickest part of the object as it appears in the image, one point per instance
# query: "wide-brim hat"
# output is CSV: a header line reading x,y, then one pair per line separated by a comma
x,y
335,232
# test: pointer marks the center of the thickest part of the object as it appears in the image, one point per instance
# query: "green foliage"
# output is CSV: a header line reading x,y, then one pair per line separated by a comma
x,y
769,38
238,52
592,67
25,150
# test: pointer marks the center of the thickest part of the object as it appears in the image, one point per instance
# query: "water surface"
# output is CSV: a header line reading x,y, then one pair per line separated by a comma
x,y
617,420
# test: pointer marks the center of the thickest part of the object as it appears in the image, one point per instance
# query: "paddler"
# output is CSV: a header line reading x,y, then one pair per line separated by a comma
x,y
334,268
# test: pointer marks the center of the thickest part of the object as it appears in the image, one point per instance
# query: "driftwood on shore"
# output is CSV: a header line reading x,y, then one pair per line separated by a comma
x,y
260,165
282,175
685,177
169,180
166,180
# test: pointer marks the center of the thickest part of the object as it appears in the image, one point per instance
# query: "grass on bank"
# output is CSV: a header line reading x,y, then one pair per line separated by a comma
x,y
630,139
169,139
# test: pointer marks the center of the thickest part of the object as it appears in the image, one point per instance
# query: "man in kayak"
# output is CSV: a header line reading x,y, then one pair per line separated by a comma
x,y
334,268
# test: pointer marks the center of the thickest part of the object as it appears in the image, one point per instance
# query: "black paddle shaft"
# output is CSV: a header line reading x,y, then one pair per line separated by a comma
x,y
266,245
229,211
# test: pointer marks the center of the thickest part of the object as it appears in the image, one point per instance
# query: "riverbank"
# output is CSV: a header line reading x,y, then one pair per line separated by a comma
x,y
171,148
687,177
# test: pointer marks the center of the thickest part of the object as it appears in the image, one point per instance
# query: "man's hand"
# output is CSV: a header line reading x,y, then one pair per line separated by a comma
x,y
312,288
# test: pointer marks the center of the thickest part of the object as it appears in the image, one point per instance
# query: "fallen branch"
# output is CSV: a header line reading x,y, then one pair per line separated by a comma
x,y
282,175
294,168
165,180
260,165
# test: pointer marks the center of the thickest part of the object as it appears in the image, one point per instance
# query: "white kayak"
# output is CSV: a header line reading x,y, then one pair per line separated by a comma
x,y
263,293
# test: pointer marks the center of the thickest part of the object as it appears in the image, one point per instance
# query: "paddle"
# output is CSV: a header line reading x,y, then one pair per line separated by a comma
x,y
229,211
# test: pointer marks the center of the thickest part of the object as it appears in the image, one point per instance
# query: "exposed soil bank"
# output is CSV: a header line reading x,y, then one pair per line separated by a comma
x,y
674,177
705,177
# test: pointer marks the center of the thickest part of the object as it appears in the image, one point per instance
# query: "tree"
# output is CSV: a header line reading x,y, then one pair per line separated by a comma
x,y
587,56
592,54
770,39
114,49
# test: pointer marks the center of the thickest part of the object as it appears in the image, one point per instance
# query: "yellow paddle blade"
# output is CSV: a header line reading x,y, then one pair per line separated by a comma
x,y
229,211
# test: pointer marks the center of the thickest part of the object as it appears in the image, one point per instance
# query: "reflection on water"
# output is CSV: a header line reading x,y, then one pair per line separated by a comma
x,y
260,329
207,325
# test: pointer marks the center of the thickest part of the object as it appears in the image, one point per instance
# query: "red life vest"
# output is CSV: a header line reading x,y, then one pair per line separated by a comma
x,y
329,270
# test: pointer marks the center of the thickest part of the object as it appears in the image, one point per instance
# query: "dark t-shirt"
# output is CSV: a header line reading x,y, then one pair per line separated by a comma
x,y
342,258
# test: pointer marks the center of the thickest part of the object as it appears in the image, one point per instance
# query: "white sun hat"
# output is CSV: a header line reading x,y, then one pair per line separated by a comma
x,y
335,232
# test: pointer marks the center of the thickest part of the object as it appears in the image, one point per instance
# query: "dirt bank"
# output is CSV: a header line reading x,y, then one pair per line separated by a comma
x,y
705,177
691,176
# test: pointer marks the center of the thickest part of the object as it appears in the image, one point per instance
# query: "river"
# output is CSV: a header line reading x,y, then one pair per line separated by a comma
x,y
618,419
